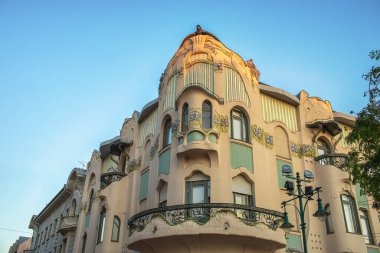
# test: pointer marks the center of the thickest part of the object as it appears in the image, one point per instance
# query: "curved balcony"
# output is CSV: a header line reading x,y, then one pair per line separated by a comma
x,y
68,223
335,159
237,226
108,178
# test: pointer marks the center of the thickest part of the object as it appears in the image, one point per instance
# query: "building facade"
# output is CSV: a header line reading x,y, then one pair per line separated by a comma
x,y
199,169
54,228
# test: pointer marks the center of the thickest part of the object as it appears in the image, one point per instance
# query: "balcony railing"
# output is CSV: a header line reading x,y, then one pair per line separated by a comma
x,y
201,214
108,178
68,223
336,159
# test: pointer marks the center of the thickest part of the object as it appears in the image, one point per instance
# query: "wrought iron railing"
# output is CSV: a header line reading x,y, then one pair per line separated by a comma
x,y
336,159
201,214
108,178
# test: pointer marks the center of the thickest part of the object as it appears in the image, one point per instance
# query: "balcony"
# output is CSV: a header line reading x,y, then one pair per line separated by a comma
x,y
210,225
68,223
335,159
108,178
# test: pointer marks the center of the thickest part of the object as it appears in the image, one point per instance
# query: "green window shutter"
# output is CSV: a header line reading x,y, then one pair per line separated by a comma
x,y
361,197
87,221
241,156
195,136
293,242
164,163
372,250
144,185
281,178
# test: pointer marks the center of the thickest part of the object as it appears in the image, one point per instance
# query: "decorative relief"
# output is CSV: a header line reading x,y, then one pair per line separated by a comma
x,y
175,128
195,117
211,48
317,109
299,150
154,148
262,137
134,165
218,67
221,122
180,73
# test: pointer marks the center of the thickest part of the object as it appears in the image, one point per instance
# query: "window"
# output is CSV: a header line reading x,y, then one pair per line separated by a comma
x,y
239,125
90,200
185,117
198,189
328,221
242,194
73,207
322,147
167,133
84,243
206,115
282,143
102,221
115,229
163,195
350,215
366,228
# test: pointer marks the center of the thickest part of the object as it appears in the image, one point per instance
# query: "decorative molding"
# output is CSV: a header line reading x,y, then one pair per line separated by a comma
x,y
221,122
262,137
299,150
154,148
175,128
180,73
195,118
134,165
218,67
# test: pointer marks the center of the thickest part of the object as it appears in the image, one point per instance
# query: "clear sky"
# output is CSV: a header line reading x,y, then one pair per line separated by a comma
x,y
71,71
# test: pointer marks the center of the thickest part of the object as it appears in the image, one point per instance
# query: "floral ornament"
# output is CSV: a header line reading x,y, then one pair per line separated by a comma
x,y
308,150
195,118
296,149
262,137
180,72
175,128
153,149
221,123
134,165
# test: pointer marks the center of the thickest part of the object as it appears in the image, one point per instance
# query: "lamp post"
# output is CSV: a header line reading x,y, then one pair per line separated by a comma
x,y
300,195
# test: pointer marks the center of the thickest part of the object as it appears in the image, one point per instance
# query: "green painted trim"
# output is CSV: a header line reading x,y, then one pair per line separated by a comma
x,y
372,250
164,162
144,179
293,242
281,178
241,156
361,197
181,140
212,138
87,220
195,136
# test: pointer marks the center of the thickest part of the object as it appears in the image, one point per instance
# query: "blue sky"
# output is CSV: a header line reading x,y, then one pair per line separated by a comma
x,y
71,71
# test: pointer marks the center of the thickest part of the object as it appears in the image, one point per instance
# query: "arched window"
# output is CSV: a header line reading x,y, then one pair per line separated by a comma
x,y
185,117
322,147
115,229
350,214
90,201
167,133
198,189
328,221
84,243
206,115
239,125
366,228
242,191
163,195
102,222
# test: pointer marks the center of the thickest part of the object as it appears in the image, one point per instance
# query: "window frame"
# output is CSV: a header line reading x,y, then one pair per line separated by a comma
x,y
101,226
167,136
205,111
244,125
367,222
185,117
189,190
355,219
328,221
115,218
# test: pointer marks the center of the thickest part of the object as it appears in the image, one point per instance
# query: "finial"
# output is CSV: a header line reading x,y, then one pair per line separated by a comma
x,y
199,30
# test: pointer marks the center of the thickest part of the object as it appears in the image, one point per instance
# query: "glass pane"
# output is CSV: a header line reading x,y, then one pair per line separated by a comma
x,y
240,199
198,194
236,129
349,218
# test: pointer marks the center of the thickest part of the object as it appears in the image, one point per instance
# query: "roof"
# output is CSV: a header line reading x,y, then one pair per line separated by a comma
x,y
279,94
199,31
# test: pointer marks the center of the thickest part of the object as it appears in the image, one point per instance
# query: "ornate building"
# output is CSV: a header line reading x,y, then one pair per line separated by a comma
x,y
199,169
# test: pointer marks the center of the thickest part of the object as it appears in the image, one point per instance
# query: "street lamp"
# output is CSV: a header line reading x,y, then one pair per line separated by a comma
x,y
300,194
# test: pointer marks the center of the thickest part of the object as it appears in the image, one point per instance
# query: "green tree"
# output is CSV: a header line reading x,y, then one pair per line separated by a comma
x,y
364,159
